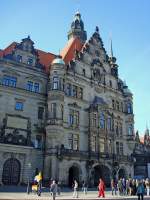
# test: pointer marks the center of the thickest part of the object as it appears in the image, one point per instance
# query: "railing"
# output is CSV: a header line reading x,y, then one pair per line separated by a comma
x,y
109,156
75,153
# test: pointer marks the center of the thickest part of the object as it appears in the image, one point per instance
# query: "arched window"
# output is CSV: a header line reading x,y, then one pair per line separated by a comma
x,y
102,120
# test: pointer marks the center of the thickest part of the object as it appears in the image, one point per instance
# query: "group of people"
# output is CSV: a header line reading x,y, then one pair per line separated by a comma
x,y
131,187
121,187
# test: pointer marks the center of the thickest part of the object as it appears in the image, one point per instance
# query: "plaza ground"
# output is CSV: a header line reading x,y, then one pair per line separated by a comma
x,y
19,193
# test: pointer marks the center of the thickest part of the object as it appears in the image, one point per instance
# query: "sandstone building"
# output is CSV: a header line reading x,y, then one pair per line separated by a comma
x,y
69,116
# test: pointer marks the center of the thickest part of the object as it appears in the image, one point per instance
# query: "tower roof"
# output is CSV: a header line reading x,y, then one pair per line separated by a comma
x,y
77,28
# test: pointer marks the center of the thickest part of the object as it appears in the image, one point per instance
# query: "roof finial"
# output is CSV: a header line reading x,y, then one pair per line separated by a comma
x,y
97,29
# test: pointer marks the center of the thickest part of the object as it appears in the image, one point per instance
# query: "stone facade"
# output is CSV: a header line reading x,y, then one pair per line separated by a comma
x,y
74,121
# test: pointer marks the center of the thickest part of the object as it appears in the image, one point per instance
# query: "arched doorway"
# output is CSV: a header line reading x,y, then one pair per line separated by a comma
x,y
121,173
11,172
73,175
101,171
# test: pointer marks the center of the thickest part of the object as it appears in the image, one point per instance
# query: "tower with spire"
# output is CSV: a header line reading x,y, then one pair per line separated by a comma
x,y
77,28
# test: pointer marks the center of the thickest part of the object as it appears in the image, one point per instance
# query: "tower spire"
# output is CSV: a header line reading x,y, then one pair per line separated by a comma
x,y
111,48
77,28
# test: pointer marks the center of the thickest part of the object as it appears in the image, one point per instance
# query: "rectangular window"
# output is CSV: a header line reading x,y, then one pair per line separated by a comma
x,y
36,87
94,119
73,118
30,61
117,147
70,142
102,145
93,145
121,148
109,125
74,91
130,129
76,118
68,89
9,81
75,142
29,86
109,146
113,104
40,112
70,120
55,83
19,58
19,106
53,109
80,93
117,105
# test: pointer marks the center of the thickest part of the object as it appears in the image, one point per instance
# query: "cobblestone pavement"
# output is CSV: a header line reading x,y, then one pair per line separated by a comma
x,y
19,193
92,195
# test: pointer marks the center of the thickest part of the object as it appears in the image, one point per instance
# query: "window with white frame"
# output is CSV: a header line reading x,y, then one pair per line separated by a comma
x,y
73,141
73,118
55,83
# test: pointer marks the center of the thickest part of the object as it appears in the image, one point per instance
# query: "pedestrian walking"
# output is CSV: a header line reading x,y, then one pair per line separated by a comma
x,y
84,187
53,189
147,184
75,188
58,187
120,187
113,187
101,188
140,191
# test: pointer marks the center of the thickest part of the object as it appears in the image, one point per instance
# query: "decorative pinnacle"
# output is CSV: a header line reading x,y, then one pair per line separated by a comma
x,y
111,48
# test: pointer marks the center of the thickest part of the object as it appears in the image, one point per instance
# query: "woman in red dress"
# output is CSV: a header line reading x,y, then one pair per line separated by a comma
x,y
101,188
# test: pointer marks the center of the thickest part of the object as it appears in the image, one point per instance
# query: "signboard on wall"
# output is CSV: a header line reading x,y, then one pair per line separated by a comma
x,y
17,122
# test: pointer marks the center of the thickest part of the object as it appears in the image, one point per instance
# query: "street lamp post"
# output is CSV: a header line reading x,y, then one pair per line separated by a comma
x,y
28,183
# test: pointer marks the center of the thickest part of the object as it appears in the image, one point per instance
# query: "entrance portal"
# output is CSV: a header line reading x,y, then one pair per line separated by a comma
x,y
101,171
73,175
11,172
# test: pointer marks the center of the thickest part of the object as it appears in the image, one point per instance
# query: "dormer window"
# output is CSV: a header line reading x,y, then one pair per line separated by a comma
x,y
19,58
30,61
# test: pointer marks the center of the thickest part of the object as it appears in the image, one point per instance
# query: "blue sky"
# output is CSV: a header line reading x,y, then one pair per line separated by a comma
x,y
47,22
